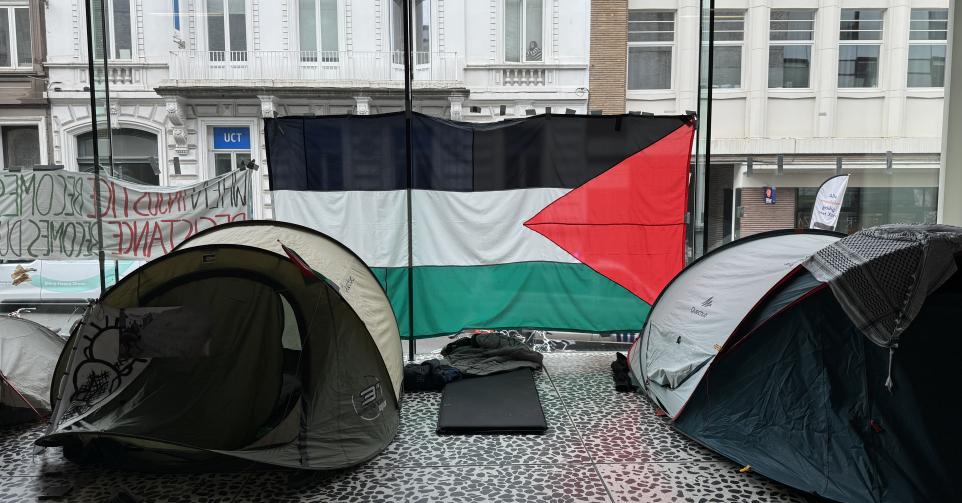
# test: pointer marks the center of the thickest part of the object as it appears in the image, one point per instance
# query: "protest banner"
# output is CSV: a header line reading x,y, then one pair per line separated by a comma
x,y
52,215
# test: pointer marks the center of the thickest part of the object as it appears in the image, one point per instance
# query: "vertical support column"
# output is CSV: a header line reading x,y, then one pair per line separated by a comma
x,y
896,59
757,21
687,49
950,176
825,71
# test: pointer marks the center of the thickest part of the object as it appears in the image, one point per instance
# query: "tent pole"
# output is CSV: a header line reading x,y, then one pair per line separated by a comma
x,y
93,123
409,161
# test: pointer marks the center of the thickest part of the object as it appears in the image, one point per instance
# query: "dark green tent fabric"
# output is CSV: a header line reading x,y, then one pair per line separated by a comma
x,y
267,365
802,400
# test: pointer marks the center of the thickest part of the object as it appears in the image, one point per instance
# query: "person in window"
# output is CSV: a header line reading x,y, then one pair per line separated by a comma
x,y
534,51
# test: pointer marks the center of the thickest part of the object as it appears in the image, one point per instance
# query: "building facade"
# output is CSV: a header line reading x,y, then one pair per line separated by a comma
x,y
803,89
24,119
191,80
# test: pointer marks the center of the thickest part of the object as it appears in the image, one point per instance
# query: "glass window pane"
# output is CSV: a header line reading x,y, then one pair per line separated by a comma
x,y
729,25
307,25
397,31
861,24
176,11
24,50
5,56
533,29
858,65
792,25
21,146
727,67
422,31
512,30
929,24
329,35
222,164
237,17
789,66
651,26
121,29
926,66
215,26
649,67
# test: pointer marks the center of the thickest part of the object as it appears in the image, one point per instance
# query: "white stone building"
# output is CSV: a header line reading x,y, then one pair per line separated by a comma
x,y
190,80
817,82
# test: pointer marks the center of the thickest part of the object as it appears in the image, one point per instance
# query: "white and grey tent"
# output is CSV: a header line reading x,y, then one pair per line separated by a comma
x,y
258,341
28,355
827,373
697,312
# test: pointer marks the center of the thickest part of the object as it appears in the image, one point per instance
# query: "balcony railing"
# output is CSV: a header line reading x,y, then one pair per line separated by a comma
x,y
316,67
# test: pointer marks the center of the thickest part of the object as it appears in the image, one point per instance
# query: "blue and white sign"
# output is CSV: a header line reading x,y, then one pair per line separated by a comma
x,y
232,138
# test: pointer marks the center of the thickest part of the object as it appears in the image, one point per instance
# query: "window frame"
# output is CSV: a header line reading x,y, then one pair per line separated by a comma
x,y
880,43
209,171
15,64
730,43
810,43
421,58
111,35
41,138
523,58
228,52
319,58
672,44
926,42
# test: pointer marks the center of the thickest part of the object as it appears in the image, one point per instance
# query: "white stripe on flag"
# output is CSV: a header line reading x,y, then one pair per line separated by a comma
x,y
450,228
482,228
373,224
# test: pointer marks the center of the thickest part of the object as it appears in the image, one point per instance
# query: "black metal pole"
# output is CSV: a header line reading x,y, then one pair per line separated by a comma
x,y
409,160
93,121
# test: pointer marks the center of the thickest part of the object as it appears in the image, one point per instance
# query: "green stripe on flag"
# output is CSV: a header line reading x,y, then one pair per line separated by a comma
x,y
519,295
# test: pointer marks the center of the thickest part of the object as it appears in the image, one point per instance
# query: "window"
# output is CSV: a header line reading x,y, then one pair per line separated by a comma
x,y
120,42
15,49
21,146
134,155
651,37
420,31
176,14
523,31
791,33
230,148
318,30
860,39
227,30
727,55
928,32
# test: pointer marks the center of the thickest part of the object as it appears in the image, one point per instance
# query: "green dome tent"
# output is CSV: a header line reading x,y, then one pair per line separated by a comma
x,y
259,341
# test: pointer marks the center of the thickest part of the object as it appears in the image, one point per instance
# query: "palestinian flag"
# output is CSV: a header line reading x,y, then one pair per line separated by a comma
x,y
556,222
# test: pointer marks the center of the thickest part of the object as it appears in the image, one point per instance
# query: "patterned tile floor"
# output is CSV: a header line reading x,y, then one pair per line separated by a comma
x,y
601,445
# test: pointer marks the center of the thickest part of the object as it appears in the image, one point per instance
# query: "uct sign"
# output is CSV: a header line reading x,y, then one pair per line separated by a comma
x,y
232,138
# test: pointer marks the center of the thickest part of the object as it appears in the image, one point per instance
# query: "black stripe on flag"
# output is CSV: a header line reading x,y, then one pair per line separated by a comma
x,y
338,153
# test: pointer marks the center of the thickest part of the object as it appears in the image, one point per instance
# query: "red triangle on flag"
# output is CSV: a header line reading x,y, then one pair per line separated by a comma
x,y
628,223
